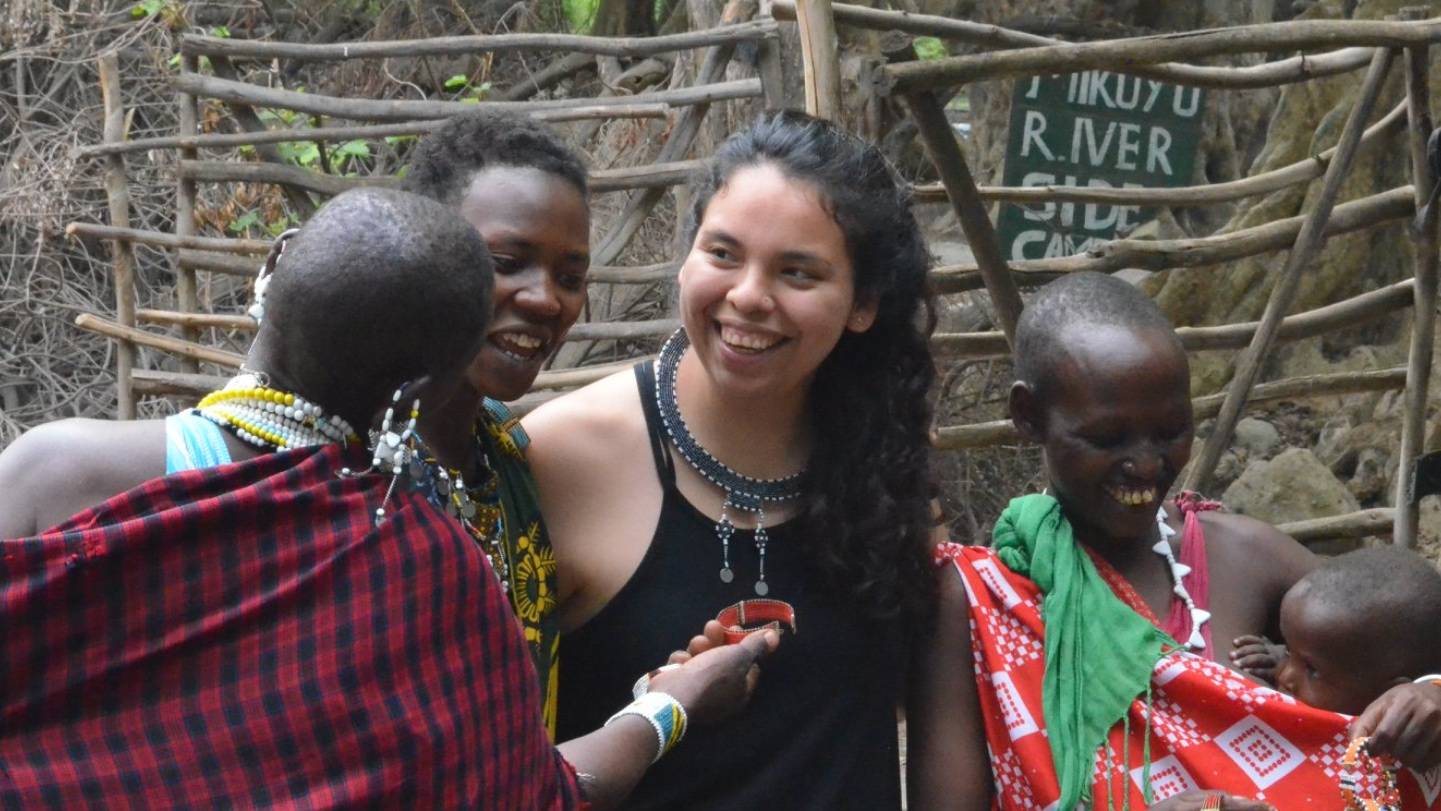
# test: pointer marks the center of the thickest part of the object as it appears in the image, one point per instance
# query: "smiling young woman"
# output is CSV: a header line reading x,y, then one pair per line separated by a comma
x,y
524,191
778,447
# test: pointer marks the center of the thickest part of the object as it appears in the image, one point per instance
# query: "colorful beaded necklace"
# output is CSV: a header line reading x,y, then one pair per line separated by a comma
x,y
477,507
742,492
270,418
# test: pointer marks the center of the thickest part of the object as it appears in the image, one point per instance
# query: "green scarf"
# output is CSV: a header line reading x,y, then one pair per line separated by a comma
x,y
1099,652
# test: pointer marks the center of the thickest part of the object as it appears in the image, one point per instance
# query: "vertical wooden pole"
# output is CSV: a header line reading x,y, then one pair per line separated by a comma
x,y
682,135
1308,242
117,191
1423,326
819,58
950,162
768,65
186,299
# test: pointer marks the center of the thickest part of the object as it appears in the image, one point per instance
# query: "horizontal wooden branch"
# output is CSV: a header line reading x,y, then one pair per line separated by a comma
x,y
603,180
175,346
1164,254
230,140
672,173
184,384
242,323
622,330
161,239
1361,524
569,378
407,109
1264,183
279,174
749,31
643,274
1126,55
1002,432
1269,74
1346,313
228,264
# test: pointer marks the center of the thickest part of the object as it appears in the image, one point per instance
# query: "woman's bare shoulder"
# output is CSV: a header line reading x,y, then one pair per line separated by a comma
x,y
1256,546
587,424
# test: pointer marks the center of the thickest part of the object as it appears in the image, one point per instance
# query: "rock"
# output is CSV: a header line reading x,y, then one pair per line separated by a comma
x,y
1228,468
1331,440
1371,483
1291,487
1258,437
1428,529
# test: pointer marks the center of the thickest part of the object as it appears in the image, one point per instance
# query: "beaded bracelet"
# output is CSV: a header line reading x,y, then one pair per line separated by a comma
x,y
642,684
1355,766
664,713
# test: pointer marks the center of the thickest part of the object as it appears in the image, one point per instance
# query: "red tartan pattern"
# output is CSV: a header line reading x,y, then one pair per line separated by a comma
x,y
1209,728
244,637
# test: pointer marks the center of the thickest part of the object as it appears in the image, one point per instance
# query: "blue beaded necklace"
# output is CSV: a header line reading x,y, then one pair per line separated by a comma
x,y
742,492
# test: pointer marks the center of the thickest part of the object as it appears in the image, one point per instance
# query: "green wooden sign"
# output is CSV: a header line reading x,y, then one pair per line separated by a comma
x,y
1095,128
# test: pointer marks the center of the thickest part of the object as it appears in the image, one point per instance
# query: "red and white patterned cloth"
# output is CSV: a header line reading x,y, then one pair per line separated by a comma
x,y
1207,727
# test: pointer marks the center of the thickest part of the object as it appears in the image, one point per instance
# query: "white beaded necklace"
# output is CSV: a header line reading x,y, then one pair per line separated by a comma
x,y
1199,616
269,418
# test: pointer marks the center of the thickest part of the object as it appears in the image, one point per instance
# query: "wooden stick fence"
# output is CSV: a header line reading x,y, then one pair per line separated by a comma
x,y
1348,46
1355,43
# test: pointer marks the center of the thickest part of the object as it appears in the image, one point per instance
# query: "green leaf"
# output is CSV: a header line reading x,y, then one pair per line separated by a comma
x,y
346,152
276,228
242,223
221,31
147,8
457,81
397,140
930,48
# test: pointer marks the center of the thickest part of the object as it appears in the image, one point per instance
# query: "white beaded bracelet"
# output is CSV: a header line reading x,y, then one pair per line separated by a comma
x,y
664,713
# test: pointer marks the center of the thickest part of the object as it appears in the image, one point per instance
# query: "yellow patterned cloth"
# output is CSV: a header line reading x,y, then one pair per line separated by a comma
x,y
527,545
506,496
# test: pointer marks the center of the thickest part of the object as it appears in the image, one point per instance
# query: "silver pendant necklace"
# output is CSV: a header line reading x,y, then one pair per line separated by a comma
x,y
742,492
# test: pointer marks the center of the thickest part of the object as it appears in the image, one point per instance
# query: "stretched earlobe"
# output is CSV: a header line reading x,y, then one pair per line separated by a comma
x,y
1024,410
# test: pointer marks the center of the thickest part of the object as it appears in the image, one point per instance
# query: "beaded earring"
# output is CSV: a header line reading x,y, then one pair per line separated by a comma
x,y
395,449
262,279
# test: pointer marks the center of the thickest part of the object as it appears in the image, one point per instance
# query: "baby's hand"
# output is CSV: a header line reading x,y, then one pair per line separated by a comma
x,y
1258,657
1405,722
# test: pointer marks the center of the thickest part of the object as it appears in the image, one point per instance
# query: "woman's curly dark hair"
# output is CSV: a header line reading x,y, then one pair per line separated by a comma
x,y
446,160
867,490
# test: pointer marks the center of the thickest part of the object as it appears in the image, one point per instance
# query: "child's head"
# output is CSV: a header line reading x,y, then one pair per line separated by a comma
x,y
1359,624
1104,386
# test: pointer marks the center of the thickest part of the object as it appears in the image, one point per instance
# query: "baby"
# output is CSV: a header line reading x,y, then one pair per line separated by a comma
x,y
1356,626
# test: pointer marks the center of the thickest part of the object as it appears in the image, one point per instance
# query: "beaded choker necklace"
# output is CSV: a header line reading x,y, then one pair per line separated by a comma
x,y
271,419
741,492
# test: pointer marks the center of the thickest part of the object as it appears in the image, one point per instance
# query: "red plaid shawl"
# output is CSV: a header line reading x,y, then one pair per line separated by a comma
x,y
1209,728
243,637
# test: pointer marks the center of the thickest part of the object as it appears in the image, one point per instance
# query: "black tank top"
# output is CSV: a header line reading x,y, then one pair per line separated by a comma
x,y
820,730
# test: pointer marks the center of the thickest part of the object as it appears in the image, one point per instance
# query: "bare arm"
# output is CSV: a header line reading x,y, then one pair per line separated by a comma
x,y
18,465
710,686
947,764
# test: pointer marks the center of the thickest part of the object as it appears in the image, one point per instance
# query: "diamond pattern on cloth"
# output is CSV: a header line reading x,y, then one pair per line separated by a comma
x,y
1209,728
1262,753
